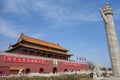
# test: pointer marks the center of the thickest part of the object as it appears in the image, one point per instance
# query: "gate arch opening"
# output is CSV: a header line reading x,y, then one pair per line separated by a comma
x,y
54,70
41,70
27,70
65,70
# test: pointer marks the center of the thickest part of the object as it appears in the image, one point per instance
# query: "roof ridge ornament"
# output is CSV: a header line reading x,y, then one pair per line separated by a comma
x,y
104,11
106,6
22,34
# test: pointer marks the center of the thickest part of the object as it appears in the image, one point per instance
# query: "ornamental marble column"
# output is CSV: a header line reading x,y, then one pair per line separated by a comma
x,y
107,15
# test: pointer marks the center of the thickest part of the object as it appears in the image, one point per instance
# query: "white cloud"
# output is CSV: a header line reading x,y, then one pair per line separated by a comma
x,y
38,35
60,15
8,29
11,30
15,7
51,11
65,16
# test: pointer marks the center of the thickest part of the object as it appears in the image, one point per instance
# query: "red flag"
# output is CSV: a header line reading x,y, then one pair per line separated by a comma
x,y
80,58
85,59
77,58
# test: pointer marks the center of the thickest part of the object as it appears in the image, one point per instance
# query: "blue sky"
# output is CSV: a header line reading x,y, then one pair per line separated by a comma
x,y
74,24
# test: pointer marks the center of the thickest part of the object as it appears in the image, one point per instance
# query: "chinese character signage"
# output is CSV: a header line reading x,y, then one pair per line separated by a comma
x,y
70,64
26,60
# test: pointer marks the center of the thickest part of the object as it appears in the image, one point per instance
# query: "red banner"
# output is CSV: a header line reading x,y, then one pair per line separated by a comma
x,y
71,64
19,59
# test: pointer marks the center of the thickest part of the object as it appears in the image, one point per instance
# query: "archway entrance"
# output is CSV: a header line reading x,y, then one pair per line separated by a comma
x,y
41,70
27,70
65,70
54,70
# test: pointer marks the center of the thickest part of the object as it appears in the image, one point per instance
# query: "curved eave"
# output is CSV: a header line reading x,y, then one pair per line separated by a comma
x,y
47,45
38,48
41,42
16,45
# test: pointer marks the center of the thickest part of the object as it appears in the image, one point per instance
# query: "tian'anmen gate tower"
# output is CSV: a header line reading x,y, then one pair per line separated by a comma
x,y
31,46
114,51
37,56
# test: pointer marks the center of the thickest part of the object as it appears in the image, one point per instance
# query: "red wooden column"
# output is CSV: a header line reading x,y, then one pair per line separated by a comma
x,y
62,56
17,51
35,53
58,57
20,50
46,54
28,52
53,55
41,54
